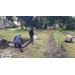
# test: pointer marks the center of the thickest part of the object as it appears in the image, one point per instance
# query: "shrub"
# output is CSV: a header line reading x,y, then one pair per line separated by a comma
x,y
56,28
64,31
39,30
60,30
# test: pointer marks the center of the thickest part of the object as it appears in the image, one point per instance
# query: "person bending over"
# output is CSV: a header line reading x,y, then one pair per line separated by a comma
x,y
18,41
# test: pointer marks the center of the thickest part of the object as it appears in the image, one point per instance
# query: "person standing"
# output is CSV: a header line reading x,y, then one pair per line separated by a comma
x,y
43,27
18,41
31,33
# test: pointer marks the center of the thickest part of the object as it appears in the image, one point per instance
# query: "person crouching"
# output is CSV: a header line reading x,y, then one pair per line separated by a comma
x,y
18,41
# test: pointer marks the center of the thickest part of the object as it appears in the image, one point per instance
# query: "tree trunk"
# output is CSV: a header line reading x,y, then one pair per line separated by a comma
x,y
21,22
21,25
41,21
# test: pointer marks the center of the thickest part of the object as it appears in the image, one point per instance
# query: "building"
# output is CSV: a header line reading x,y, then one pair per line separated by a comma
x,y
5,23
1,22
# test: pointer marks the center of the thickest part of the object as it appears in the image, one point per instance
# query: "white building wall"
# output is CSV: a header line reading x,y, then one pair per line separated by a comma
x,y
1,22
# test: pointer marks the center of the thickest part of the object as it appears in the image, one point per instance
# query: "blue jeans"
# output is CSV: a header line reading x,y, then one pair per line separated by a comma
x,y
31,38
43,28
19,46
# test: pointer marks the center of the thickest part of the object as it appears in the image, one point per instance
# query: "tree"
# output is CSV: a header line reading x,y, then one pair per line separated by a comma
x,y
21,18
38,21
9,18
41,21
68,21
29,21
14,18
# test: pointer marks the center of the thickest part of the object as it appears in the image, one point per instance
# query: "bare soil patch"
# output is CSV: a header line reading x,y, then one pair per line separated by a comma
x,y
4,43
54,51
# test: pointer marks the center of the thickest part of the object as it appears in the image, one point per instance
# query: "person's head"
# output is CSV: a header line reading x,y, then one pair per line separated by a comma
x,y
29,27
19,34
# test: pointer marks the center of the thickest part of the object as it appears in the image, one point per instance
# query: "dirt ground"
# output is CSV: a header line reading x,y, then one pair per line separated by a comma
x,y
3,44
8,52
54,51
38,49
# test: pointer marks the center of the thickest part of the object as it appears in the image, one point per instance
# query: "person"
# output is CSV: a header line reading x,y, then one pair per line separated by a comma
x,y
17,41
43,27
31,33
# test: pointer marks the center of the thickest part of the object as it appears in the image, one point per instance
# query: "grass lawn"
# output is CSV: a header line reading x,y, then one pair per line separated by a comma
x,y
31,51
11,34
70,47
41,44
11,28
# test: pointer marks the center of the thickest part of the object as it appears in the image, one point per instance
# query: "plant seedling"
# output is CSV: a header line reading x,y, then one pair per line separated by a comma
x,y
59,55
56,50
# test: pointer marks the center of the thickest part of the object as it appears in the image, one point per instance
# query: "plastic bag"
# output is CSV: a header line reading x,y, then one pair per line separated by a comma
x,y
69,40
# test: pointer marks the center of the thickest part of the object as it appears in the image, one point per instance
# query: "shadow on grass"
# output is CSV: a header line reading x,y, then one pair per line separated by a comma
x,y
21,30
17,31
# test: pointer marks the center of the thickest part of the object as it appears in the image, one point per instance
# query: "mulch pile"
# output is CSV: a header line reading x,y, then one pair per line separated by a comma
x,y
3,44
25,40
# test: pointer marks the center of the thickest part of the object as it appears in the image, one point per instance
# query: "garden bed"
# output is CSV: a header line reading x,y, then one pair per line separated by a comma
x,y
54,51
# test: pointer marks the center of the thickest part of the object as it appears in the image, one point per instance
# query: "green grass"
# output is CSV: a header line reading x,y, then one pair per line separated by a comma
x,y
41,45
11,34
70,47
71,32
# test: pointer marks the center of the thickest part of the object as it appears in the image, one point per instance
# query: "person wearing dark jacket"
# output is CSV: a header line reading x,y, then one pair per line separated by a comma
x,y
18,41
31,33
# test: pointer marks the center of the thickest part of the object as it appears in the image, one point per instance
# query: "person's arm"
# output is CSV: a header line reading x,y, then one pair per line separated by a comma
x,y
29,31
14,38
22,41
32,32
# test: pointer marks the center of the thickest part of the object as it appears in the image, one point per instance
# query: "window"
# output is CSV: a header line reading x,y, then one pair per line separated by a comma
x,y
0,19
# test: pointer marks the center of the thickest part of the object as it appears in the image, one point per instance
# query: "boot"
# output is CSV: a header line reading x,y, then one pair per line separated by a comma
x,y
21,50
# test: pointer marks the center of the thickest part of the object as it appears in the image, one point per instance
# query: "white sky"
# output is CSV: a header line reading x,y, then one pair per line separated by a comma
x,y
73,16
